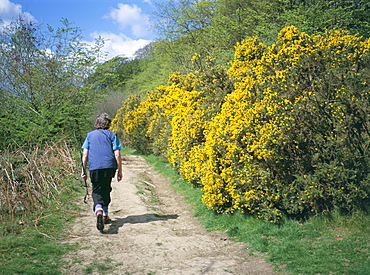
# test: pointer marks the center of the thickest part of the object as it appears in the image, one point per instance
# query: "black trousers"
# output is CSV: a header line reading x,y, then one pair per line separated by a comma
x,y
101,180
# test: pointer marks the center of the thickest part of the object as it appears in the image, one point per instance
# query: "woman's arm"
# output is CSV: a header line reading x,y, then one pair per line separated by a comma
x,y
85,154
117,155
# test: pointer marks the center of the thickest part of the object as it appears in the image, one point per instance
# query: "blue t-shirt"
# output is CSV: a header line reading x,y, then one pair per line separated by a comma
x,y
101,144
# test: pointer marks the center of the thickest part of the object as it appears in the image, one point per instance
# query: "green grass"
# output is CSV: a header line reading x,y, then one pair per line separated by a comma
x,y
100,268
330,244
33,244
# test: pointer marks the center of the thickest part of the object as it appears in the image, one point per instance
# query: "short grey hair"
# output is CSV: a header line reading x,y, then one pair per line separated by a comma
x,y
102,121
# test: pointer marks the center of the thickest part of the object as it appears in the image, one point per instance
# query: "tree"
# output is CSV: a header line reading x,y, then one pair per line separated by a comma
x,y
315,16
120,76
43,82
237,19
212,28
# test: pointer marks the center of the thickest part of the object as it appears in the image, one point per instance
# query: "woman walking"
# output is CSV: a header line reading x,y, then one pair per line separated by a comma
x,y
101,150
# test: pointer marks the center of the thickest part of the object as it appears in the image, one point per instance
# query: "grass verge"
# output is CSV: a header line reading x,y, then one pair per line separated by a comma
x,y
328,244
32,244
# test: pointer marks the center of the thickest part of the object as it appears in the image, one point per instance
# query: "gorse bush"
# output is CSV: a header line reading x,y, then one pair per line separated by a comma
x,y
130,104
290,137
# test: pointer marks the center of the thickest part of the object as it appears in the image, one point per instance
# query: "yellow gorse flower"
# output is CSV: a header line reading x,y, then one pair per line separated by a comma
x,y
231,140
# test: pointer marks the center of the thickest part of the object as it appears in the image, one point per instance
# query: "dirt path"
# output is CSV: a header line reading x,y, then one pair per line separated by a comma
x,y
153,232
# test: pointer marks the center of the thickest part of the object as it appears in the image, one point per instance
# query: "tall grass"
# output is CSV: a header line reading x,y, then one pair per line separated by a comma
x,y
38,189
32,177
331,243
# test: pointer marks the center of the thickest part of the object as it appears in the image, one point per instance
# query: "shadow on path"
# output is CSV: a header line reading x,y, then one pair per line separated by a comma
x,y
145,218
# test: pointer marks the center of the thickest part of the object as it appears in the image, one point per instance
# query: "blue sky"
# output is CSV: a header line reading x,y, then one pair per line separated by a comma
x,y
125,24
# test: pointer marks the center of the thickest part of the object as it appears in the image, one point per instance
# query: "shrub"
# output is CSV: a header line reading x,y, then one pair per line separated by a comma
x,y
119,126
291,137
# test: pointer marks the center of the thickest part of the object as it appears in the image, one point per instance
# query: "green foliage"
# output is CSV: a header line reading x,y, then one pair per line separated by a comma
x,y
43,85
120,77
316,16
235,20
183,26
115,73
212,28
154,71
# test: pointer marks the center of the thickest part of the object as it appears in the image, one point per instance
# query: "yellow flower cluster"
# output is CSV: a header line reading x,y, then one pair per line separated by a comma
x,y
252,136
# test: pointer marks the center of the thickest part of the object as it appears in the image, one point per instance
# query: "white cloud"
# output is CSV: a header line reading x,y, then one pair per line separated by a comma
x,y
132,17
10,11
120,44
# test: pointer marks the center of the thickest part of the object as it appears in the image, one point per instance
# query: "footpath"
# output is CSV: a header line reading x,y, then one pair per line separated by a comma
x,y
153,231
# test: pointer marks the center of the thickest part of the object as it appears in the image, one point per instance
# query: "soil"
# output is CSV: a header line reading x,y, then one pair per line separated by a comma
x,y
153,231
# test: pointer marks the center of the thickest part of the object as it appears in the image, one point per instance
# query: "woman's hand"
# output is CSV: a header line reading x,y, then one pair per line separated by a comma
x,y
119,175
83,175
